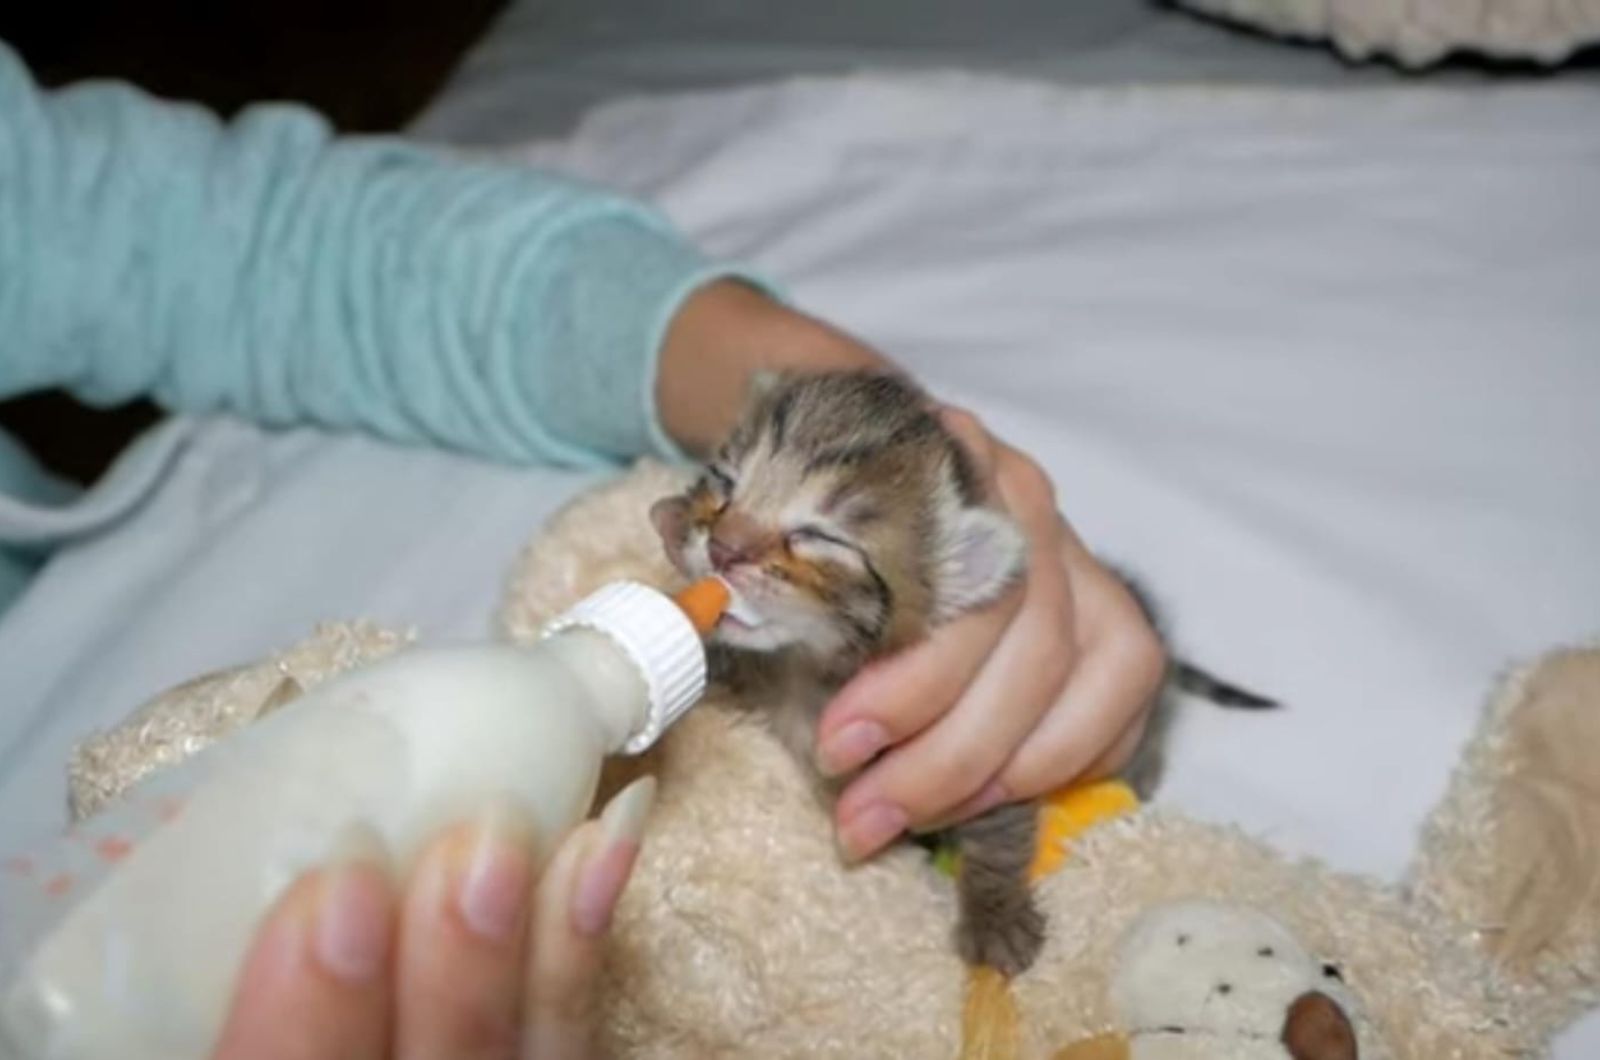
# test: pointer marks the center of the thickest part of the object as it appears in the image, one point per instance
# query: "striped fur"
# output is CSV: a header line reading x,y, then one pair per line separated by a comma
x,y
850,523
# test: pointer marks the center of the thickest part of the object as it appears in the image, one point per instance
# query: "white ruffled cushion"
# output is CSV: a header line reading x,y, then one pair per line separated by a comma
x,y
1417,33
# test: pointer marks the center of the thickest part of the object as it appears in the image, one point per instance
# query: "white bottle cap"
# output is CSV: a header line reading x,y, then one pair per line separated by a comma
x,y
660,640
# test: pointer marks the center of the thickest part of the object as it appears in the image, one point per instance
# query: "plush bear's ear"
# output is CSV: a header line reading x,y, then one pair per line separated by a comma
x,y
1318,1029
1516,843
980,554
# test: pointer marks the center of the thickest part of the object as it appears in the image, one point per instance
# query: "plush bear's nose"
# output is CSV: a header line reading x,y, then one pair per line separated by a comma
x,y
1318,1029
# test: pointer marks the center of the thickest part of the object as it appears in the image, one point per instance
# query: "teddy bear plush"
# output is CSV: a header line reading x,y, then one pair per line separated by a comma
x,y
1200,978
741,933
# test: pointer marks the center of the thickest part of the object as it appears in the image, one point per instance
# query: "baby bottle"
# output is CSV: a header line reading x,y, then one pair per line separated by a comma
x,y
123,939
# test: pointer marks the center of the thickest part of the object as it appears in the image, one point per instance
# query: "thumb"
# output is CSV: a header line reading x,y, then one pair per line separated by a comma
x,y
316,983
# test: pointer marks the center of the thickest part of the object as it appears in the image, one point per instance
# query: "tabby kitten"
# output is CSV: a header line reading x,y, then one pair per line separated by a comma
x,y
848,524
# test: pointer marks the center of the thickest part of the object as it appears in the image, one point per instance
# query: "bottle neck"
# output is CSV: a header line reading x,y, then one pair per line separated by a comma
x,y
614,687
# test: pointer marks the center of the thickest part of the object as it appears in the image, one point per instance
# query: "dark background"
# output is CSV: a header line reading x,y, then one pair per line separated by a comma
x,y
369,65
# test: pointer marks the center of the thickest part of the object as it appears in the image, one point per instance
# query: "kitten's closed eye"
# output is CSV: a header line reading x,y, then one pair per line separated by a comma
x,y
803,534
809,536
823,545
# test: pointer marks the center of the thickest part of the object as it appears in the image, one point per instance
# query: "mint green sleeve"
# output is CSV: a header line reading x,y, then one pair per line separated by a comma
x,y
265,267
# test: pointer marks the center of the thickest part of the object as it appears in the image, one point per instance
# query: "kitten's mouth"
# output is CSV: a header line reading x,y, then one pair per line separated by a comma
x,y
740,612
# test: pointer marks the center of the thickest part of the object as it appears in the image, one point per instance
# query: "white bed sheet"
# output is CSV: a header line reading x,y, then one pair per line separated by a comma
x,y
1322,367
546,62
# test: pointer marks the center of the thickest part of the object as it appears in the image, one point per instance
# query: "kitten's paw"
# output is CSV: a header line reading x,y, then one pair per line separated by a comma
x,y
1006,939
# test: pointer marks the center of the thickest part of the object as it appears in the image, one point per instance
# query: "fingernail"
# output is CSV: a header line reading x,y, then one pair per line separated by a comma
x,y
851,747
871,829
355,910
497,885
624,816
359,844
605,874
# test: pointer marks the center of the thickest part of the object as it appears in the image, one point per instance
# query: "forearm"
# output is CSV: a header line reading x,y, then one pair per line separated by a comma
x,y
725,333
269,268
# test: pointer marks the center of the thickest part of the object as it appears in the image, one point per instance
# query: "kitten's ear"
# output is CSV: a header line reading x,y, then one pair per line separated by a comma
x,y
981,555
671,518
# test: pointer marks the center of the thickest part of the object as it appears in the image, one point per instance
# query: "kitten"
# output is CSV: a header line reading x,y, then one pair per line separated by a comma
x,y
849,524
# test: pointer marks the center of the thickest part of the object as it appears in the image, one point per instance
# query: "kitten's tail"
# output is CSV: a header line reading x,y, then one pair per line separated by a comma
x,y
1186,676
1198,682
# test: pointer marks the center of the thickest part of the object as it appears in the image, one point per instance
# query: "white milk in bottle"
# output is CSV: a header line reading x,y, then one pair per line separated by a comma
x,y
122,941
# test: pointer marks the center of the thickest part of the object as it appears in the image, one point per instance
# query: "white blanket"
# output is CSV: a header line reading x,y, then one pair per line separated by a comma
x,y
1324,367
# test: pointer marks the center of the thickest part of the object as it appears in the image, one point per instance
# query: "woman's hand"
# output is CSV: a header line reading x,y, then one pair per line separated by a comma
x,y
476,960
1050,685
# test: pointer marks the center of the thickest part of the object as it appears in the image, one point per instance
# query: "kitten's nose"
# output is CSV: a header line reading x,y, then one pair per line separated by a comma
x,y
736,538
722,555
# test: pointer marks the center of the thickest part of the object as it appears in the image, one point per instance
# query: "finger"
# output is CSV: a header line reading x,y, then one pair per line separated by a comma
x,y
1109,764
999,791
973,437
929,775
1004,685
1121,752
897,698
462,941
1110,614
1113,684
573,909
316,984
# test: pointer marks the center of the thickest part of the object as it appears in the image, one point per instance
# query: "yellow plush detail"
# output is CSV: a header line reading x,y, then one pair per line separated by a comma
x,y
1069,813
989,1025
1103,1047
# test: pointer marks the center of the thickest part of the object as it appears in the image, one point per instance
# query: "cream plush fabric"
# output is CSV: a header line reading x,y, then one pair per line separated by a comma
x,y
742,935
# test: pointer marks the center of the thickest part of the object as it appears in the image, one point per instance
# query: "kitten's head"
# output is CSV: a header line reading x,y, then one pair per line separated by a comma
x,y
845,518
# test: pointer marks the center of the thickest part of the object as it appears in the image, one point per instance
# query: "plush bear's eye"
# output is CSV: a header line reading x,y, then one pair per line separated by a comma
x,y
1183,940
1266,951
1332,972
